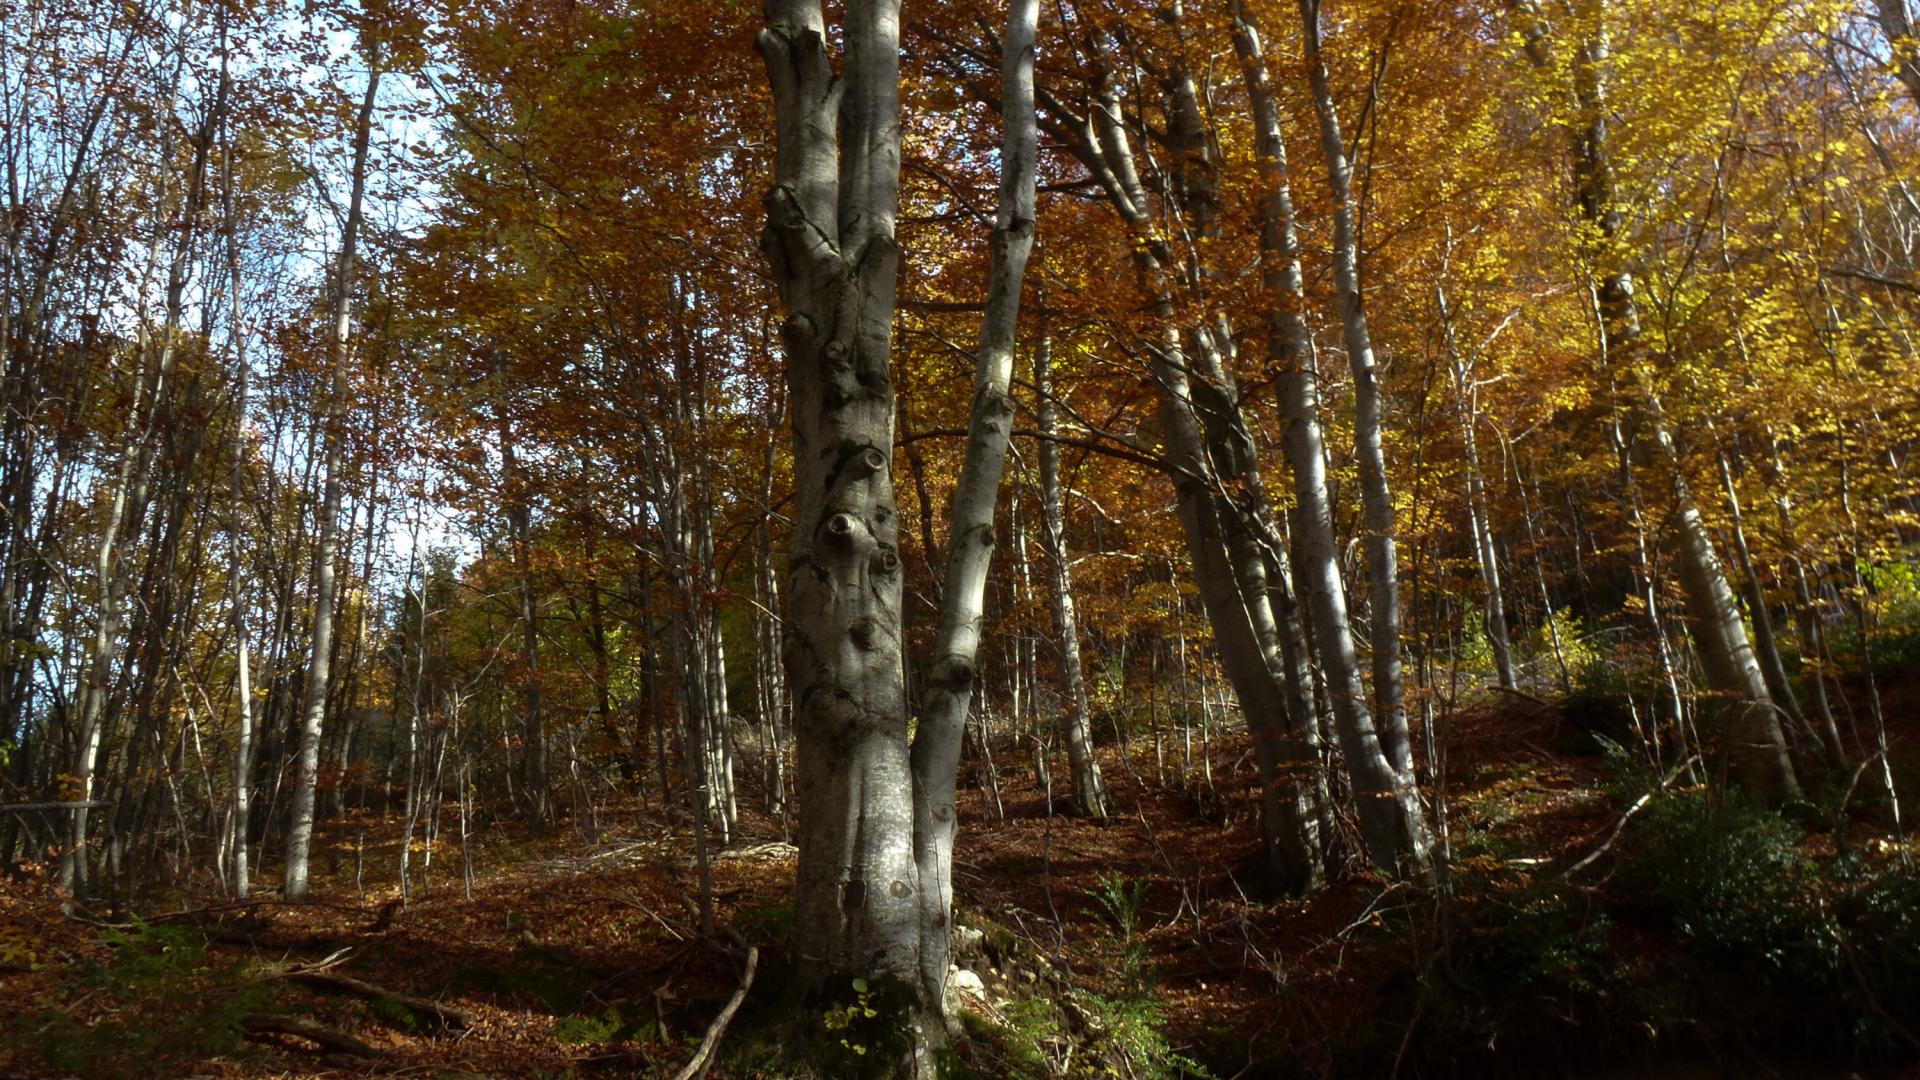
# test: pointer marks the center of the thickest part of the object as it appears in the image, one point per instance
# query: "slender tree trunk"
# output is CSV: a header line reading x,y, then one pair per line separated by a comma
x,y
1208,448
129,495
313,709
1375,499
533,776
1392,824
952,671
1751,745
1807,620
236,528
1090,798
1540,568
1766,649
1467,398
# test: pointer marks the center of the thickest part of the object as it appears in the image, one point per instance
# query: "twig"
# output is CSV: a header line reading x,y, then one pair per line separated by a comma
x,y
630,900
332,959
1524,696
1639,804
703,1056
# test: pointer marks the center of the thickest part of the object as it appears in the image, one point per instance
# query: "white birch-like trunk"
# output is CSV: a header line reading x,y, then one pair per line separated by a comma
x,y
1376,500
1467,403
830,239
1751,746
130,490
1392,825
1213,462
1090,797
240,822
953,669
319,668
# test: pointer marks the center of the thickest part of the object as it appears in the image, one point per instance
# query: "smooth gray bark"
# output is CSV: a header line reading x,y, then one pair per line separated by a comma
x,y
1750,745
1392,824
1467,401
1813,648
1213,463
953,668
1090,797
239,825
1535,541
129,494
1376,501
1766,648
319,668
830,240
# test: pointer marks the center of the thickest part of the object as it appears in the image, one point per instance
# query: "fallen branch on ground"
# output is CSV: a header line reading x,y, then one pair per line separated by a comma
x,y
443,1015
326,1038
703,1056
1620,826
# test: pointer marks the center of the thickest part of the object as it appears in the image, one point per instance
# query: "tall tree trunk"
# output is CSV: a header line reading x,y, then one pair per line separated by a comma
x,y
1751,746
952,672
1376,501
319,668
128,498
1807,620
1467,400
1392,825
1538,545
858,904
1208,448
1090,797
1766,649
240,822
533,774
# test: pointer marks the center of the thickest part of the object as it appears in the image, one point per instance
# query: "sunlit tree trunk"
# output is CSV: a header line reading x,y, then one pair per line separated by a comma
x,y
1375,499
1392,824
1751,745
319,668
128,497
952,675
1212,460
1538,544
859,902
1766,648
1813,649
1090,797
239,824
1467,399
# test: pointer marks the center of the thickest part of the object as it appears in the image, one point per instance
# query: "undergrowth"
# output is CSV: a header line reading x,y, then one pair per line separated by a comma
x,y
1715,923
156,998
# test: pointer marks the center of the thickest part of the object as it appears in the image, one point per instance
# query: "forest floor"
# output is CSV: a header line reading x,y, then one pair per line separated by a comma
x,y
577,958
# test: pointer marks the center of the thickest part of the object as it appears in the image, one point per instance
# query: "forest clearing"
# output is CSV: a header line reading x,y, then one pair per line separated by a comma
x,y
1147,539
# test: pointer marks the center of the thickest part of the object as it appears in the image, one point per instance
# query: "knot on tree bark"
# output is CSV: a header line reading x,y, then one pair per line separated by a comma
x,y
842,532
865,462
953,674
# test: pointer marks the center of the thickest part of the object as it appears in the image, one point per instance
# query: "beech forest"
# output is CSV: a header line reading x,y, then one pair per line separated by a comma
x,y
1033,539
